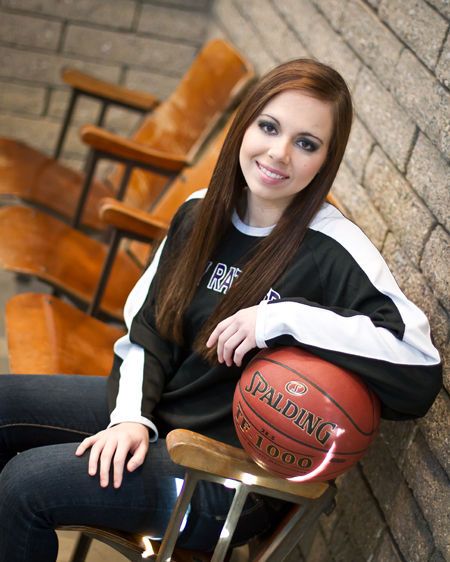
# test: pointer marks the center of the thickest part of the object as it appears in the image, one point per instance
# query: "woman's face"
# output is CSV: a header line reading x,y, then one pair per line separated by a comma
x,y
284,148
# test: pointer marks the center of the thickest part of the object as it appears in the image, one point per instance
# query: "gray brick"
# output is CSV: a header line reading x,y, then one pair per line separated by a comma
x,y
173,22
238,29
319,551
435,264
86,111
157,84
382,473
332,10
73,147
276,35
358,148
121,121
427,101
403,211
437,557
445,355
429,175
384,118
328,523
46,68
363,517
319,38
344,548
194,4
387,551
435,427
413,21
128,48
19,98
372,40
397,435
442,5
356,200
39,133
443,67
431,488
119,13
29,31
406,521
416,288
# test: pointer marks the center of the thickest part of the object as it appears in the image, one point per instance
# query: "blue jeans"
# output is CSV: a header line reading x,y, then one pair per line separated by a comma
x,y
46,485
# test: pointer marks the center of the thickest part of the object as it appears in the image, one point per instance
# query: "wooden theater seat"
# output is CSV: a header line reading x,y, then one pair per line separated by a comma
x,y
34,243
73,262
31,338
61,340
177,127
207,459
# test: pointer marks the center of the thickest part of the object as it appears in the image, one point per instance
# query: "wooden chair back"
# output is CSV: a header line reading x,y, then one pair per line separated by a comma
x,y
182,123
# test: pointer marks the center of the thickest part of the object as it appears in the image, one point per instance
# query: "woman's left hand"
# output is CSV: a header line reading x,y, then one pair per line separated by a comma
x,y
234,336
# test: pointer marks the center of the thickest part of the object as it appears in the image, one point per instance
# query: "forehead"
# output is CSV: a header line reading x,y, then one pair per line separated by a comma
x,y
298,110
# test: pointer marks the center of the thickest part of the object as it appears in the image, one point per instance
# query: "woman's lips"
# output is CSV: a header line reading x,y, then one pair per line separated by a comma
x,y
271,173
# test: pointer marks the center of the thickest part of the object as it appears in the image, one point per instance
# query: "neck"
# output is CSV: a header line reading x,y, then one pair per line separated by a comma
x,y
258,213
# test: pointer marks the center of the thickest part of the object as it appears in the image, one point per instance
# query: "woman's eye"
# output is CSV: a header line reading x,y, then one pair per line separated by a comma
x,y
306,144
267,127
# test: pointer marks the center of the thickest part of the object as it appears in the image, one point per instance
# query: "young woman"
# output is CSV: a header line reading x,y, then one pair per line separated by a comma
x,y
256,260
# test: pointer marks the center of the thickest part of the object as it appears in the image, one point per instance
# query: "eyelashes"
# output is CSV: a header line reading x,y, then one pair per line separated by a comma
x,y
270,128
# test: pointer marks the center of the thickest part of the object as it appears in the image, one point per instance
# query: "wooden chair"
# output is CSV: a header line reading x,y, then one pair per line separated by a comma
x,y
171,136
207,459
49,336
78,265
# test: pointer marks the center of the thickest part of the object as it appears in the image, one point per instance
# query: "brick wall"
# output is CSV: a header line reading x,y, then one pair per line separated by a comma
x,y
137,43
394,182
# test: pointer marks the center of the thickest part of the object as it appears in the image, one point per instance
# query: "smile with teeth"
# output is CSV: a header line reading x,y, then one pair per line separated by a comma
x,y
269,173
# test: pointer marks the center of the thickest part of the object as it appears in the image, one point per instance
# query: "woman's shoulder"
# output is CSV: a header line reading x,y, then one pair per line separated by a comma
x,y
337,228
336,239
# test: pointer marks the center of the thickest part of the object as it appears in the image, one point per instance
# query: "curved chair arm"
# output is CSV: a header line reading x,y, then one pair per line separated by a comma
x,y
194,451
113,93
129,219
107,142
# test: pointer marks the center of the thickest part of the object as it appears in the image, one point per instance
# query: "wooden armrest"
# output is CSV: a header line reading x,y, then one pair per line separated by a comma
x,y
198,452
112,92
113,144
122,216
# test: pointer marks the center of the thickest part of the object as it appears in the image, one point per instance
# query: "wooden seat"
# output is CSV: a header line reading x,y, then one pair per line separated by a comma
x,y
34,243
62,340
207,459
60,354
178,126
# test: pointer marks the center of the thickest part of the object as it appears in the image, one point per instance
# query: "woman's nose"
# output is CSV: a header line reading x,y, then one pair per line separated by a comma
x,y
279,150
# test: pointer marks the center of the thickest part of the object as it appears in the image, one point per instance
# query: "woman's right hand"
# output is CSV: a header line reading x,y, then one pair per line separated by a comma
x,y
111,446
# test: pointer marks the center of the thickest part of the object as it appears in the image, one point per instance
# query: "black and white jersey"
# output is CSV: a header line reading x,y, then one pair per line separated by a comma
x,y
336,299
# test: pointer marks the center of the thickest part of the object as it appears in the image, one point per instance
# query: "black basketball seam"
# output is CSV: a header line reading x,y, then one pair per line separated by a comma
x,y
321,390
288,436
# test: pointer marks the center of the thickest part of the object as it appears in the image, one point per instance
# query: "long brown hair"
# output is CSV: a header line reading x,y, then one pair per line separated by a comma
x,y
182,273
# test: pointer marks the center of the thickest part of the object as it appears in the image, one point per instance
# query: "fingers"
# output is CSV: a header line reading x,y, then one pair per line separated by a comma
x,y
221,326
228,342
111,447
234,336
138,457
85,444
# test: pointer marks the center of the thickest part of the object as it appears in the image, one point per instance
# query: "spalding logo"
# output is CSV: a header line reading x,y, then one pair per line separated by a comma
x,y
296,388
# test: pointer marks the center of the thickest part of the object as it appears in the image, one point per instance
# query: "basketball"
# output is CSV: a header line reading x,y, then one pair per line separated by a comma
x,y
301,417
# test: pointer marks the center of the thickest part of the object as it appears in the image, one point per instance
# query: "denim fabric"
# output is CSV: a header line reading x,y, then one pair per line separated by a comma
x,y
46,485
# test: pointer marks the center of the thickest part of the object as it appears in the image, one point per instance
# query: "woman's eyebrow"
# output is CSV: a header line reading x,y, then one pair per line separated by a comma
x,y
303,133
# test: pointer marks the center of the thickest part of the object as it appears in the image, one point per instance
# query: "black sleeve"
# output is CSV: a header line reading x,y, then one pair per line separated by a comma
x,y
143,359
364,323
